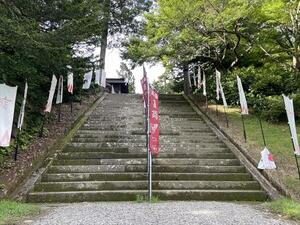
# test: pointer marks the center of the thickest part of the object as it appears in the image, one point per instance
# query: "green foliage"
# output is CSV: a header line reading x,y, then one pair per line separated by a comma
x,y
289,208
11,211
126,73
39,39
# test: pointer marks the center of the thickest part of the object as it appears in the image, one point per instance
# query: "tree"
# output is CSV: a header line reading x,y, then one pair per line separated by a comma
x,y
223,34
119,19
127,74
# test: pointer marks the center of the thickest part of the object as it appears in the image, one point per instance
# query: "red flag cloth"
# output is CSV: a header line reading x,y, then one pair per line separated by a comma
x,y
154,122
144,83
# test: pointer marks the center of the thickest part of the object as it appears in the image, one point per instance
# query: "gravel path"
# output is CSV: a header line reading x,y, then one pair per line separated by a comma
x,y
166,213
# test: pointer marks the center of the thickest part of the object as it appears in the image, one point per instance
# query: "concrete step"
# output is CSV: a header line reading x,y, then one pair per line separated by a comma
x,y
159,161
142,185
69,177
131,195
122,155
105,145
143,168
106,160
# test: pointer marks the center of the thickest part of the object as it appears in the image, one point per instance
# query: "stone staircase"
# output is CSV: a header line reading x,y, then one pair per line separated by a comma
x,y
106,159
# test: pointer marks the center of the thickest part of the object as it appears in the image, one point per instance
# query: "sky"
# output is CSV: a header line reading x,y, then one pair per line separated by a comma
x,y
112,64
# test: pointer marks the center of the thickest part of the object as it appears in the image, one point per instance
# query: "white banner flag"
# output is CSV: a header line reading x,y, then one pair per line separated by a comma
x,y
218,81
97,76
112,89
289,107
22,110
51,94
190,82
199,77
103,79
70,83
7,107
266,162
87,80
204,84
220,88
60,90
243,101
194,77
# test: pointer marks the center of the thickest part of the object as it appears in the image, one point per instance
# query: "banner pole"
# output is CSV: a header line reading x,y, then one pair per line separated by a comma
x,y
206,102
294,148
43,124
226,117
17,146
59,112
217,111
71,104
244,127
148,144
296,158
262,131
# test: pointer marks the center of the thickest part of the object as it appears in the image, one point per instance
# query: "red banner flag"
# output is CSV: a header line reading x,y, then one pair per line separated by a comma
x,y
144,83
154,122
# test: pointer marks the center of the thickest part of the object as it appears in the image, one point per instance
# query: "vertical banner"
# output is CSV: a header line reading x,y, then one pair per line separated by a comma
x,y
220,89
60,90
243,101
289,107
194,77
51,94
204,84
154,122
144,83
190,82
87,80
22,110
97,77
7,107
70,83
199,77
103,79
218,80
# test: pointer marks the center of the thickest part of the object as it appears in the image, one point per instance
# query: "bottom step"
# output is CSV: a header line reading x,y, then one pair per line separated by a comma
x,y
131,195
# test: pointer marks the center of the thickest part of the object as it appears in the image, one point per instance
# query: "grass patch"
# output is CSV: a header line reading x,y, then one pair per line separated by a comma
x,y
143,198
286,207
12,211
278,141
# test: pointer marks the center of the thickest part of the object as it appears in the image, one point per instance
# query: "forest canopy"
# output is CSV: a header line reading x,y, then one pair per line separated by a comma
x,y
257,40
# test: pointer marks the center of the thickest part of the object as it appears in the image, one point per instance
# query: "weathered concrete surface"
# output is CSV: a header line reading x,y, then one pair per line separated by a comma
x,y
165,213
106,158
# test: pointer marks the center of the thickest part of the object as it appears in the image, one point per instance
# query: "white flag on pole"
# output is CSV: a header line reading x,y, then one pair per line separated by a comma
x,y
199,77
194,77
243,101
190,82
289,107
266,162
97,76
87,80
70,83
7,107
22,110
112,89
218,81
220,88
60,90
204,84
51,94
103,79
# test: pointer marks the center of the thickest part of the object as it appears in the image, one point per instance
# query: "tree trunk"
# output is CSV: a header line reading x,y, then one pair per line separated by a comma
x,y
106,10
186,85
